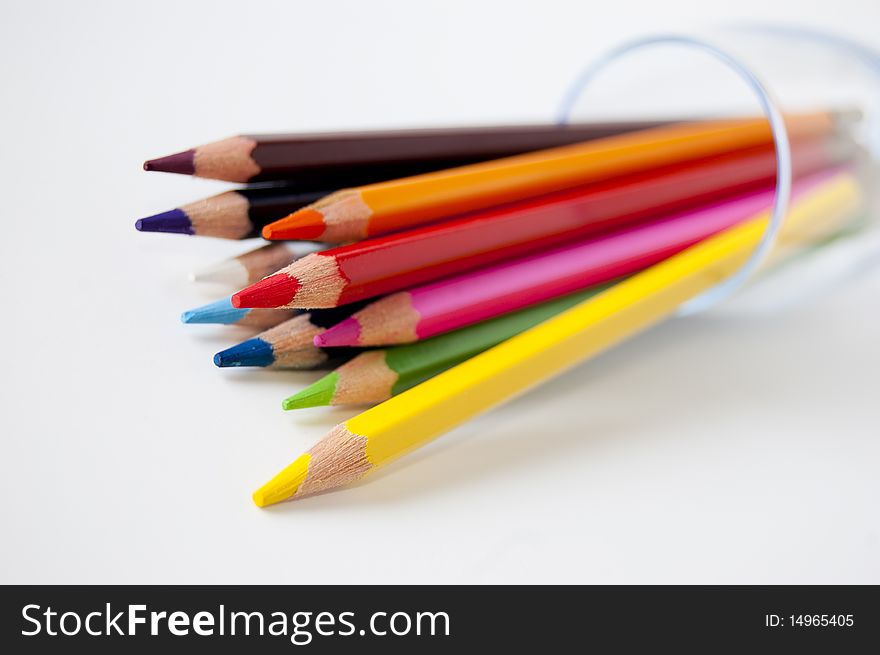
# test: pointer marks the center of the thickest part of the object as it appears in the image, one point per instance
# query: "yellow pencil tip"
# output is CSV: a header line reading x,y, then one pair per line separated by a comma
x,y
284,485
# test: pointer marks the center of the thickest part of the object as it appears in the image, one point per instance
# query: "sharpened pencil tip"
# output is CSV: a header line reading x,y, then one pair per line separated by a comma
x,y
315,395
285,484
253,352
273,291
219,312
345,333
182,163
303,225
174,221
230,272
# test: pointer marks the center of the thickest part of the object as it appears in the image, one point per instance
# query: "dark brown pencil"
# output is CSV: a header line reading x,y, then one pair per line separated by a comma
x,y
340,159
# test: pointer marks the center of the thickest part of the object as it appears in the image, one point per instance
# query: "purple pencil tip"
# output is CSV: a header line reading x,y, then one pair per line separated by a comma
x,y
175,222
181,162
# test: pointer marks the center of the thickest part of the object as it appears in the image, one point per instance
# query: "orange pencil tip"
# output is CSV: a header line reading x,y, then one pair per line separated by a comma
x,y
302,225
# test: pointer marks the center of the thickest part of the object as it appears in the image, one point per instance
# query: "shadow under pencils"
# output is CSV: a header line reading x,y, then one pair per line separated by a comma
x,y
694,392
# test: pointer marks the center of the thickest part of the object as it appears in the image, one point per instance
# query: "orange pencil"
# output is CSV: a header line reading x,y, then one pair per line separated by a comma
x,y
353,214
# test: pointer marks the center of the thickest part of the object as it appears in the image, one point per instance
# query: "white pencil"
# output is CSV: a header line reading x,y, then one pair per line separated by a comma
x,y
254,265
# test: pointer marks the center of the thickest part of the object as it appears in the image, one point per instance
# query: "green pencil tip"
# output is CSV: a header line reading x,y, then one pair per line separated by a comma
x,y
315,395
299,402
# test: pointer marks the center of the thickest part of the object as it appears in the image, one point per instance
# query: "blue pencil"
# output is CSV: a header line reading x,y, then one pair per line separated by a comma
x,y
291,344
223,313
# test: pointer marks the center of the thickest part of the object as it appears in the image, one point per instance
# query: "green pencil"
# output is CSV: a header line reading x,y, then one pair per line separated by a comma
x,y
376,375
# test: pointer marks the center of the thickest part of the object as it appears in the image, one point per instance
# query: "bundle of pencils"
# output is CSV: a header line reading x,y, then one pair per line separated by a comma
x,y
290,171
444,271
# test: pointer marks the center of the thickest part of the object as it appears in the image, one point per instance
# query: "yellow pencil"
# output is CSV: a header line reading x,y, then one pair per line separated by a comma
x,y
411,419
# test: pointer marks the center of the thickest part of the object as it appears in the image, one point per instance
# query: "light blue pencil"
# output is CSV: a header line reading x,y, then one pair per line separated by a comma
x,y
223,313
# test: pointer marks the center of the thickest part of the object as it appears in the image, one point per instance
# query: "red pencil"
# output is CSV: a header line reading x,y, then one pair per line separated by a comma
x,y
396,261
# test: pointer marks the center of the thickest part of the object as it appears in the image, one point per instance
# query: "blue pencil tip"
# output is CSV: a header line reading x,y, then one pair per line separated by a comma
x,y
253,352
220,312
175,222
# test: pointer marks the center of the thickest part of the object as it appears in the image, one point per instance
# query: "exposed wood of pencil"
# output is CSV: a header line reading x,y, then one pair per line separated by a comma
x,y
397,261
366,379
383,207
372,155
265,319
407,421
224,216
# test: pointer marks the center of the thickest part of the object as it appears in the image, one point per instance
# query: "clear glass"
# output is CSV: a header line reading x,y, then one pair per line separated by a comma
x,y
744,71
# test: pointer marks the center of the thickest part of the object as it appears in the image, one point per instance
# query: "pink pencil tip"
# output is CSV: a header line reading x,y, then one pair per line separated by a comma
x,y
345,333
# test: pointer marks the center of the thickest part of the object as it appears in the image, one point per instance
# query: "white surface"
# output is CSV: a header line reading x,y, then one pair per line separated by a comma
x,y
737,447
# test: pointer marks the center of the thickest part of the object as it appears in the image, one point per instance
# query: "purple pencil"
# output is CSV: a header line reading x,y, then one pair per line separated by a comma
x,y
437,307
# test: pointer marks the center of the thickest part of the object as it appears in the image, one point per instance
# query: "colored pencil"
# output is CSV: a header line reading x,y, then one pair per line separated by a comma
x,y
341,156
254,265
221,312
238,214
374,209
396,261
409,420
291,344
376,375
453,302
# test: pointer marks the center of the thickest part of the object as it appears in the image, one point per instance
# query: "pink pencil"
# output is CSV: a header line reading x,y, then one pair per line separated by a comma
x,y
430,309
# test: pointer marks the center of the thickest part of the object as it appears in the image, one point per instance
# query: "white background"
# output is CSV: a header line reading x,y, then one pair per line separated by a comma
x,y
737,447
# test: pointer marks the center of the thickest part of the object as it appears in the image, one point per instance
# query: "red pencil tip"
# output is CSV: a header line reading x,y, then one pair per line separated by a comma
x,y
274,291
182,163
345,333
304,225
